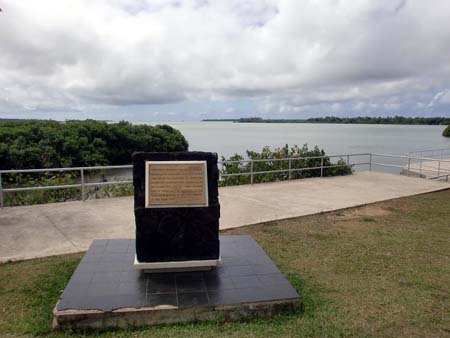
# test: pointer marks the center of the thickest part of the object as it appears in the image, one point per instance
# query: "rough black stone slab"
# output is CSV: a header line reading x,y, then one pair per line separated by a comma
x,y
176,234
105,284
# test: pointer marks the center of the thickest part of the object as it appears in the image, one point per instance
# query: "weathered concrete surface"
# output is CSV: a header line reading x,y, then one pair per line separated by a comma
x,y
51,229
131,317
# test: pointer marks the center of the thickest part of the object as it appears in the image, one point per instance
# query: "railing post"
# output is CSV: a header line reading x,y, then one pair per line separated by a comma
x,y
251,172
290,167
439,168
348,160
409,166
321,167
1,192
83,196
370,162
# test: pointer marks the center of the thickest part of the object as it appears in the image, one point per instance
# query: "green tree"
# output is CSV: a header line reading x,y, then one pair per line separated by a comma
x,y
446,132
33,144
44,144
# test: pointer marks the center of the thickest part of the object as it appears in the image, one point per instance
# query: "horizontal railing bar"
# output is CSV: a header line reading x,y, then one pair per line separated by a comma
x,y
396,156
291,158
43,187
409,157
428,160
388,165
93,184
428,168
440,176
361,163
18,171
345,155
404,167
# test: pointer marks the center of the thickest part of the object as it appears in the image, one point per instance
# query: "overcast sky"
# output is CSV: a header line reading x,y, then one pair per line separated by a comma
x,y
187,60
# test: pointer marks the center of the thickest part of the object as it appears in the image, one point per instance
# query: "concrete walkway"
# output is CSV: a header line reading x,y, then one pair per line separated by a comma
x,y
51,229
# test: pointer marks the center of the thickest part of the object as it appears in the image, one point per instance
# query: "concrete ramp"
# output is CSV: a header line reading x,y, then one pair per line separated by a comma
x,y
60,228
436,169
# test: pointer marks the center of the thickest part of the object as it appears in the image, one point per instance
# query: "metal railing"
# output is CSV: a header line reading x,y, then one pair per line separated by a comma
x,y
417,166
430,161
441,177
82,185
443,153
290,169
441,172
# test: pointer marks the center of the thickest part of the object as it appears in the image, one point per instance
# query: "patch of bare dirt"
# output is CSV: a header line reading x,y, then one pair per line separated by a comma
x,y
366,211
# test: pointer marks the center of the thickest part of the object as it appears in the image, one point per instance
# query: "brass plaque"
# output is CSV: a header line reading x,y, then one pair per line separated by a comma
x,y
176,184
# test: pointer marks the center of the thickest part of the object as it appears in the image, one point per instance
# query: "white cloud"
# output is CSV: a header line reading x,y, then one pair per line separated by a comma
x,y
289,56
445,97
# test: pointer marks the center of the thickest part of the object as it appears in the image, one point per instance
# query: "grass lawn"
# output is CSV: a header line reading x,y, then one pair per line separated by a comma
x,y
377,271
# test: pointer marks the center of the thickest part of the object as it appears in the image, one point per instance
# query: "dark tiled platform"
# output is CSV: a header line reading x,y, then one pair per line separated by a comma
x,y
105,282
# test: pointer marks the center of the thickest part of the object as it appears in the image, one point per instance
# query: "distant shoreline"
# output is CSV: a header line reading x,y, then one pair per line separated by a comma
x,y
47,120
396,120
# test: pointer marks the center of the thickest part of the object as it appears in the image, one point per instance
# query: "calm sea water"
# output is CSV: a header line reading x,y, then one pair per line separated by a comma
x,y
227,138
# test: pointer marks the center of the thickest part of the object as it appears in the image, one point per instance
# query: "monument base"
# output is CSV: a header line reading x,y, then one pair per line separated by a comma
x,y
106,291
176,266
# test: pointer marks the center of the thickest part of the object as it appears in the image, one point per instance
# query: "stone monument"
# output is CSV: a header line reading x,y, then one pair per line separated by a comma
x,y
177,213
176,210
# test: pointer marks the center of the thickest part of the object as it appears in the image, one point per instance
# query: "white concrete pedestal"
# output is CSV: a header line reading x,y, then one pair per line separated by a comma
x,y
176,266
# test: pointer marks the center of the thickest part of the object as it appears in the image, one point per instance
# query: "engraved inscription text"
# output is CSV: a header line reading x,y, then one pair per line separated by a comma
x,y
176,184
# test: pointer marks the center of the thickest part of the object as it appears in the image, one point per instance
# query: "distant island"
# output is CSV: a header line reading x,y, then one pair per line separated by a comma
x,y
345,120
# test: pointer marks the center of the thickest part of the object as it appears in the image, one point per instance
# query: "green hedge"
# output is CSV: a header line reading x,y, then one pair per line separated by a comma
x,y
34,144
284,152
47,144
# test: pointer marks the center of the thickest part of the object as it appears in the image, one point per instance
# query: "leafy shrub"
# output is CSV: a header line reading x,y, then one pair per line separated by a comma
x,y
40,196
446,132
48,144
299,161
31,144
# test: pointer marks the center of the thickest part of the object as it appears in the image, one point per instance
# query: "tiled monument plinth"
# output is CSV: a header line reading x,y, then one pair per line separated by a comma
x,y
106,291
